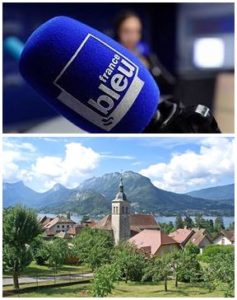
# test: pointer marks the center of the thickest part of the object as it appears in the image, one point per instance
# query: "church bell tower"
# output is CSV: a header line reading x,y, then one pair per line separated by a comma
x,y
120,216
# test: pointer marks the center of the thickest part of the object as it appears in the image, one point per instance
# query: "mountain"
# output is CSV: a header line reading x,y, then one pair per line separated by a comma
x,y
18,193
94,196
145,197
225,192
56,196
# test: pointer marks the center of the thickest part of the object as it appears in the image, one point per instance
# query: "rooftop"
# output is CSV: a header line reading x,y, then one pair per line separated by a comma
x,y
151,239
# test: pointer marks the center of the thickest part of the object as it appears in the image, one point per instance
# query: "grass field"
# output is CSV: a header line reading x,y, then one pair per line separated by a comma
x,y
35,270
129,290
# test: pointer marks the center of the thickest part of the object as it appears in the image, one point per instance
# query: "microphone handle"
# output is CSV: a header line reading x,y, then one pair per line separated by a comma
x,y
174,117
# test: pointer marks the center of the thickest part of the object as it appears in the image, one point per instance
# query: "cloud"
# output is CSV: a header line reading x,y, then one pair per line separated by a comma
x,y
17,145
21,161
76,164
122,157
190,170
15,152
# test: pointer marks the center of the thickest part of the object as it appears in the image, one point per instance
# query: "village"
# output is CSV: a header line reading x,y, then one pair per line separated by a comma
x,y
141,230
125,249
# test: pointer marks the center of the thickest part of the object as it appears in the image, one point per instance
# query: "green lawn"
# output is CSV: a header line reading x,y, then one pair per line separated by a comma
x,y
35,270
130,290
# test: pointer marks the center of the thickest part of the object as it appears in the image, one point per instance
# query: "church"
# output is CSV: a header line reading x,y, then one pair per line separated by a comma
x,y
121,223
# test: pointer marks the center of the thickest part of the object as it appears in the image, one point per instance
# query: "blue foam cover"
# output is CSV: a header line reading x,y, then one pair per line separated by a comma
x,y
89,78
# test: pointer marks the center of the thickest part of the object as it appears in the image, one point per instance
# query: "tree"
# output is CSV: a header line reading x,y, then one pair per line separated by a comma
x,y
200,221
94,247
167,227
188,222
130,261
212,251
179,222
211,226
220,268
231,226
190,269
185,265
39,248
159,269
191,249
85,218
176,264
163,266
57,253
219,224
104,278
20,227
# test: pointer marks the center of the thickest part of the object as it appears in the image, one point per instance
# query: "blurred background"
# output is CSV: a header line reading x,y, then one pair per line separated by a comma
x,y
190,47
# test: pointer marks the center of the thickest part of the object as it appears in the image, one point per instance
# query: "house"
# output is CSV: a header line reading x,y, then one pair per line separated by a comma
x,y
44,220
63,235
182,235
88,223
154,242
200,238
58,224
226,237
75,229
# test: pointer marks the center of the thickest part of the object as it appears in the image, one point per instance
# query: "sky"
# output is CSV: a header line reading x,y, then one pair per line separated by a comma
x,y
177,164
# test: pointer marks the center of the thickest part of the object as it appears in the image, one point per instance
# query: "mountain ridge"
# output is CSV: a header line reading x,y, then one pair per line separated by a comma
x,y
94,196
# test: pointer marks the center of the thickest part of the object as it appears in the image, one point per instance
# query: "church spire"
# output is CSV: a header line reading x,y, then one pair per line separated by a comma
x,y
121,184
121,195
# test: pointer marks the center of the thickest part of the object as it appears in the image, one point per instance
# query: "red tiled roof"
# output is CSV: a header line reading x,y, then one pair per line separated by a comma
x,y
45,220
199,235
181,235
151,238
229,234
104,223
58,220
141,219
138,222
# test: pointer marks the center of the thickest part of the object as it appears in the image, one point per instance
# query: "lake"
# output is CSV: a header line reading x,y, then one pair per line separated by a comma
x,y
160,219
227,220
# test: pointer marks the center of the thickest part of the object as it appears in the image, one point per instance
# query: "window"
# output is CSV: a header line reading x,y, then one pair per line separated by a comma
x,y
58,226
126,210
223,241
67,226
123,210
116,209
62,226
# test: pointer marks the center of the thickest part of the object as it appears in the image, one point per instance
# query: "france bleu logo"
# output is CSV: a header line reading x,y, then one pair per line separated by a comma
x,y
99,83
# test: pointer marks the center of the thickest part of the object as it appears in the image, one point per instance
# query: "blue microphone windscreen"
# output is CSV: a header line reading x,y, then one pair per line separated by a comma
x,y
89,78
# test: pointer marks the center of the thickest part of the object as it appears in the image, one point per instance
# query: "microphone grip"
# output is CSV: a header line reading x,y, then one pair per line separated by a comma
x,y
174,117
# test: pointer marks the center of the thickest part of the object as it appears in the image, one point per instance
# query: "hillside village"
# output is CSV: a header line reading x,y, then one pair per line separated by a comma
x,y
141,230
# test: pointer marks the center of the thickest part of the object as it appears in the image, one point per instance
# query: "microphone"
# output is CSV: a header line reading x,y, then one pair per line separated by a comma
x,y
89,78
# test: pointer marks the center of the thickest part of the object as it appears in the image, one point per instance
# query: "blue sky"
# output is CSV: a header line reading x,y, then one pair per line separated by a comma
x,y
177,164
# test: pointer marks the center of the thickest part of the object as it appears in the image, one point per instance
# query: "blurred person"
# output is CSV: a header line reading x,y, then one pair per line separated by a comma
x,y
128,32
